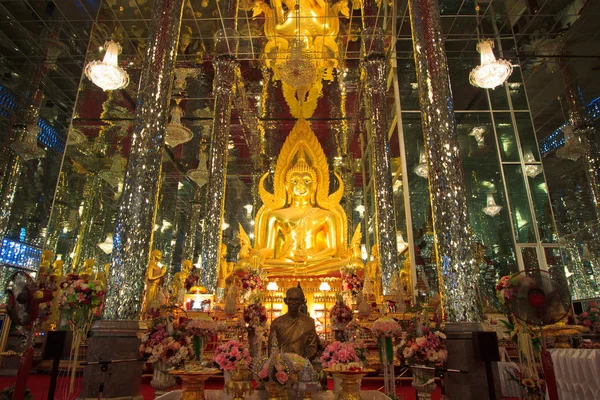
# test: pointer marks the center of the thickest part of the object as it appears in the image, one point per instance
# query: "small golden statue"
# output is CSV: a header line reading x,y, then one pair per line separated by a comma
x,y
154,276
102,275
179,281
87,270
225,267
374,271
47,256
57,267
301,229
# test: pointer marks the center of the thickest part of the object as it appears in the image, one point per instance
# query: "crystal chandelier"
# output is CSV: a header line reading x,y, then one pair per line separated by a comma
x,y
114,176
177,133
421,168
200,174
574,146
27,148
531,170
107,245
75,138
478,133
492,209
491,73
298,71
106,73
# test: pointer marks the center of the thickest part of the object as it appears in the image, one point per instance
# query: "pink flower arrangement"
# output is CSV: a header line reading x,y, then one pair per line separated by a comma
x,y
230,354
352,283
422,347
255,315
340,315
506,285
339,353
279,368
169,344
590,318
386,327
201,327
252,281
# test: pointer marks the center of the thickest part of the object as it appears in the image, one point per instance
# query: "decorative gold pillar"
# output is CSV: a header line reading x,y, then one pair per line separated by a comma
x,y
226,69
374,69
585,132
137,211
454,244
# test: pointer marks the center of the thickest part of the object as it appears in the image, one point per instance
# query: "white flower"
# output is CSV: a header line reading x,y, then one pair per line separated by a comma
x,y
408,352
441,335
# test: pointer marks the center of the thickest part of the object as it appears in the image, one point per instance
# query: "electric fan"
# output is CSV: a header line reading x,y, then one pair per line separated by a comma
x,y
538,299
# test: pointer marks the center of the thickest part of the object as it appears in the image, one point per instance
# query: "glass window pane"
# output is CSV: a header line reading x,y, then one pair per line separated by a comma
x,y
517,90
519,204
527,137
499,98
506,136
530,258
542,209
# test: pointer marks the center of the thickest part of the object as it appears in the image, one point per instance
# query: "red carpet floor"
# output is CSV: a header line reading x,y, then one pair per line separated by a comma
x,y
38,384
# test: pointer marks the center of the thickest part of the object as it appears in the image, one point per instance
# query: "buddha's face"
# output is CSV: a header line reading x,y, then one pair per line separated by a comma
x,y
301,185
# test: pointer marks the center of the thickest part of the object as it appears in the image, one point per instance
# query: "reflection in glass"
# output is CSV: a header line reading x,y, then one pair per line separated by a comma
x,y
506,136
530,258
542,208
519,204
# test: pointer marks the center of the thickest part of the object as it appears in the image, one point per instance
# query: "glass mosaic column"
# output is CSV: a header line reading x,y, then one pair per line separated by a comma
x,y
584,130
375,72
226,68
456,263
136,215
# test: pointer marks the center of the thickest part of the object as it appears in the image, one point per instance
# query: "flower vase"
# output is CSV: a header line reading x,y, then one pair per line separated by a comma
x,y
226,380
161,380
386,350
337,385
423,381
275,391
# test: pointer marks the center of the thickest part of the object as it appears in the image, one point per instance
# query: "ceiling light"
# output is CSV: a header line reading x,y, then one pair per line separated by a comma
x,y
27,148
491,73
492,209
248,208
107,245
324,287
400,243
478,133
165,225
361,210
106,73
531,170
421,168
224,226
176,132
574,146
272,286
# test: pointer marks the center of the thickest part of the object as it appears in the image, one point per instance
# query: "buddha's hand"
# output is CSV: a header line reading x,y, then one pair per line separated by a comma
x,y
256,261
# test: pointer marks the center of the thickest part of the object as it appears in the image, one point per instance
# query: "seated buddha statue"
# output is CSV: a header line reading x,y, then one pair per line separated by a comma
x,y
300,229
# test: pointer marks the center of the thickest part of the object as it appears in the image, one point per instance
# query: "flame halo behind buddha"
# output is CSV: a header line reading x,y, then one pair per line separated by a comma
x,y
301,228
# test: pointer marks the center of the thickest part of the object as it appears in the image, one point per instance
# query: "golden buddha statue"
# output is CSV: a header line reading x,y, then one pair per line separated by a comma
x,y
179,281
294,331
87,270
374,271
300,229
155,273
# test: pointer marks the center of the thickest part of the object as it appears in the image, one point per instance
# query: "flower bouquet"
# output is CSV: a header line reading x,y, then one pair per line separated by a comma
x,y
255,315
279,369
228,355
506,285
252,282
590,318
340,315
79,299
384,329
426,349
352,283
341,357
200,329
166,342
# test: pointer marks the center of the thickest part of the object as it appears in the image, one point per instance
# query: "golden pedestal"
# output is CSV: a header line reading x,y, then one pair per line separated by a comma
x,y
350,383
192,383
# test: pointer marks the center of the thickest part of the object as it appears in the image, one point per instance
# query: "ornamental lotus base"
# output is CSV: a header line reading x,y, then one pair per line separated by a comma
x,y
350,383
423,381
275,391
